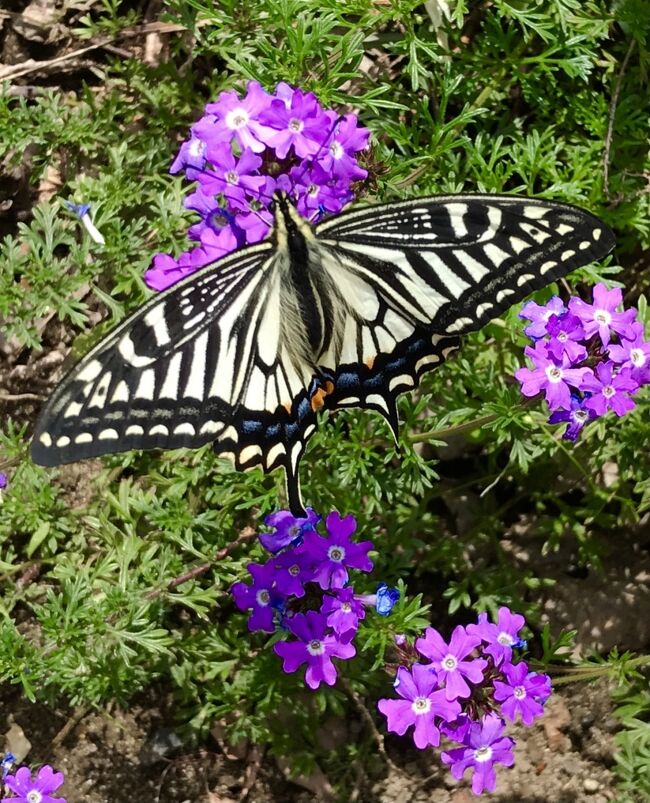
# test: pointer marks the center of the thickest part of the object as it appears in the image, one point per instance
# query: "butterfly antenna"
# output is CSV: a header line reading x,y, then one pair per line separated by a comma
x,y
323,146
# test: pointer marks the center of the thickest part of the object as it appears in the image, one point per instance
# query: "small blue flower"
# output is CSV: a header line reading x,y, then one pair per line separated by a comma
x,y
387,598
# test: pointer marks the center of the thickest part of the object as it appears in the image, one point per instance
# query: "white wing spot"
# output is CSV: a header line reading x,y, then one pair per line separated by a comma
x,y
63,441
195,383
597,233
428,360
567,254
274,453
121,393
402,379
535,212
518,245
169,389
537,235
85,437
525,277
211,427
90,372
134,429
156,321
159,429
108,435
456,213
547,266
484,308
184,429
46,440
563,228
460,324
584,245
127,350
74,408
249,453
145,387
475,269
229,434
503,294
377,400
349,401
495,254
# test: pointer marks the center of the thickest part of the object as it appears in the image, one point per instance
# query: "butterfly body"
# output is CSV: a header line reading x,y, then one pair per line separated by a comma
x,y
348,313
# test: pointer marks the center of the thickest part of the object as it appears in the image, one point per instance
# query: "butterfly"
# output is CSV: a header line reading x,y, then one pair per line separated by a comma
x,y
347,313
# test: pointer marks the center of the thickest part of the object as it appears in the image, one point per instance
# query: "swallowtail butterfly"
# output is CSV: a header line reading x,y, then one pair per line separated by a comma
x,y
349,313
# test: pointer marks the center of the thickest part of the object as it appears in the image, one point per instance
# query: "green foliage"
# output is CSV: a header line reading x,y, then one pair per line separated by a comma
x,y
504,97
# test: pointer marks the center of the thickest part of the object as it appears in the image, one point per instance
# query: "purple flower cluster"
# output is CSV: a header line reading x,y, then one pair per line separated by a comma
x,y
244,149
36,789
588,358
465,692
303,590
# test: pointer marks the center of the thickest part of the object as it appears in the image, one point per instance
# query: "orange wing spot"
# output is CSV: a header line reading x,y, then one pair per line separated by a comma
x,y
287,406
370,362
318,397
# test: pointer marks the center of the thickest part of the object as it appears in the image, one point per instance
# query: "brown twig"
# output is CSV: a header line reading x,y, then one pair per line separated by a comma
x,y
612,114
246,535
19,70
78,714
21,397
365,715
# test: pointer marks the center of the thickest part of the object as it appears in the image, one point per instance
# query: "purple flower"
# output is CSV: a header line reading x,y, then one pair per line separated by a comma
x,y
191,154
608,391
289,529
421,702
500,637
346,140
448,659
166,271
550,375
633,353
298,123
565,331
261,597
601,316
235,118
291,573
315,647
332,556
232,177
34,790
344,612
484,747
522,692
576,417
230,151
3,481
539,315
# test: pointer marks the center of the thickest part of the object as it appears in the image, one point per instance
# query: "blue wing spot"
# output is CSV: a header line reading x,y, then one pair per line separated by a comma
x,y
347,381
304,408
252,426
273,431
290,429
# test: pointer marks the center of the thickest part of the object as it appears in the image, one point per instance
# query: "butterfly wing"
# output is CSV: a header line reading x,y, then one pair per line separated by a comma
x,y
415,275
205,361
223,356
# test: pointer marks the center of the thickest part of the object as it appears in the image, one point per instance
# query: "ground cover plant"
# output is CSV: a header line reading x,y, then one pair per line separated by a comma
x,y
142,576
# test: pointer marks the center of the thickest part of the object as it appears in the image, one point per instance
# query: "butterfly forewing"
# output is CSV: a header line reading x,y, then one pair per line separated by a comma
x,y
224,356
